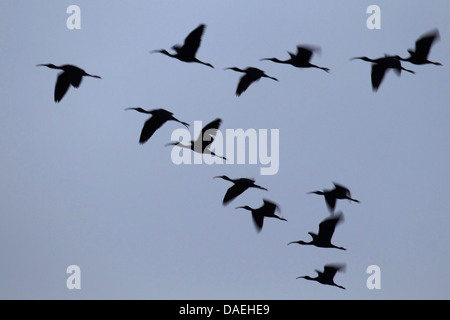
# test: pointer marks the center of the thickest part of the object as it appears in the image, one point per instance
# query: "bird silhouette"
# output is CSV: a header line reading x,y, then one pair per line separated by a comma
x,y
380,66
251,75
423,46
238,187
327,276
188,50
266,210
204,140
326,230
301,59
339,192
70,75
159,117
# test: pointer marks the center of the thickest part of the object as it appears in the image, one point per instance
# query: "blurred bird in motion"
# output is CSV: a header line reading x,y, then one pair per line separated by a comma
x,y
301,59
204,140
187,52
339,192
267,210
159,117
327,276
380,66
251,75
70,75
238,187
423,45
326,230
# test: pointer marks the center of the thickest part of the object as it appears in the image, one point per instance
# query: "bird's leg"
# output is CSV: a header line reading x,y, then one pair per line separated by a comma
x,y
216,155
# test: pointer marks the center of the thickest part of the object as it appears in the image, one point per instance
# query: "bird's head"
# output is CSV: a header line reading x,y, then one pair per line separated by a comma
x,y
269,59
49,65
163,51
233,68
138,110
360,58
316,192
298,242
173,143
222,177
305,277
245,207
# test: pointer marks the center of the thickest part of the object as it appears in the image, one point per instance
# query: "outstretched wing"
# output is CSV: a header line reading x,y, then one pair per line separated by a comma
x,y
330,270
342,190
377,75
258,220
192,41
245,82
207,135
330,200
270,206
62,85
76,80
232,193
304,53
327,226
424,43
149,128
209,130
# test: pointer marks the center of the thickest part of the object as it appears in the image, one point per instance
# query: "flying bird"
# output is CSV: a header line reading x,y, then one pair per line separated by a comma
x,y
238,187
327,276
70,75
159,117
339,192
380,66
267,210
422,49
251,75
187,52
301,59
204,140
326,230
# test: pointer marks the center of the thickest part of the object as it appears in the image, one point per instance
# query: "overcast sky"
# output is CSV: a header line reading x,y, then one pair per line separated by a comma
x,y
77,188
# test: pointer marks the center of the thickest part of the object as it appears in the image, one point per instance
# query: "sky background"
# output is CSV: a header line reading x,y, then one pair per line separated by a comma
x,y
77,187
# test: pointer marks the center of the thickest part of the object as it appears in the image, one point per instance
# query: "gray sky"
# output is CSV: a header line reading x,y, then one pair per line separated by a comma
x,y
77,188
